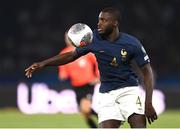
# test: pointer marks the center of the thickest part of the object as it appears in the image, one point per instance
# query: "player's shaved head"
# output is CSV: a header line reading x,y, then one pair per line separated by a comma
x,y
114,12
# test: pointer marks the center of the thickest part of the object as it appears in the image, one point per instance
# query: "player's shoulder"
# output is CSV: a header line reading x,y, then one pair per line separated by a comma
x,y
130,39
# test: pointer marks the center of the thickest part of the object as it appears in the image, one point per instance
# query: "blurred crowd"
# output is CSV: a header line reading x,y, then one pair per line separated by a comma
x,y
34,29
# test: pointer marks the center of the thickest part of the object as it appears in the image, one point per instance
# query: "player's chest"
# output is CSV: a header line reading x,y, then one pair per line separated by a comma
x,y
113,54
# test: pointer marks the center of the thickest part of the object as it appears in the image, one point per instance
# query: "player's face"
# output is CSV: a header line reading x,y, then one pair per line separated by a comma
x,y
106,24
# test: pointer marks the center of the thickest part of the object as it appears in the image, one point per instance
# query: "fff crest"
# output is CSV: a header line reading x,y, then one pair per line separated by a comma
x,y
123,54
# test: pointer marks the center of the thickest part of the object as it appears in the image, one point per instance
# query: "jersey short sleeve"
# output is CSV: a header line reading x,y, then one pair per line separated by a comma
x,y
141,56
83,50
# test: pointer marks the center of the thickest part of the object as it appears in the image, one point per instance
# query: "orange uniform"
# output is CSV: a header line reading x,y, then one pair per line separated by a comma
x,y
82,71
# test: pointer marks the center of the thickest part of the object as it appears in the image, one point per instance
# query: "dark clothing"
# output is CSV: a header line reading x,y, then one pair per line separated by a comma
x,y
115,60
85,91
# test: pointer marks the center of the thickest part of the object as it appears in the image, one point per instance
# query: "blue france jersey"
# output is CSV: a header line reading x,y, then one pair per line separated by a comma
x,y
115,59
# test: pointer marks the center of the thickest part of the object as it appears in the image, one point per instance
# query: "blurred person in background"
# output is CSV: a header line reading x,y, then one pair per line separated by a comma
x,y
83,75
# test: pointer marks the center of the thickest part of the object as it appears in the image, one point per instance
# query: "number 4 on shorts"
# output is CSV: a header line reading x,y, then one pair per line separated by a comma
x,y
138,101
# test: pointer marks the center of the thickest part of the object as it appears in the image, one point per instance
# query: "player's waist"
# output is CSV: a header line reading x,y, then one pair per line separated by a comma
x,y
108,86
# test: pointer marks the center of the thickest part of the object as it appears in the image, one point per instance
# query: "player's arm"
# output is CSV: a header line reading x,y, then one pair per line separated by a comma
x,y
53,61
148,83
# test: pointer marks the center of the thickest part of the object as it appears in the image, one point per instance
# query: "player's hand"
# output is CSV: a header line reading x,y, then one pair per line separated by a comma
x,y
150,112
33,68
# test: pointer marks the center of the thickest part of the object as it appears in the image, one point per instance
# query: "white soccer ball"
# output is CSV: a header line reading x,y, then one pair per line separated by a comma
x,y
80,35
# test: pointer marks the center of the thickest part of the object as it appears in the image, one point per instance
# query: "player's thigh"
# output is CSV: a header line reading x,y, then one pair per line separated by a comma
x,y
130,102
85,91
108,109
110,124
137,121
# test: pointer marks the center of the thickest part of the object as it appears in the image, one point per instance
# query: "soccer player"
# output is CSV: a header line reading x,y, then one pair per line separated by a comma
x,y
115,51
83,74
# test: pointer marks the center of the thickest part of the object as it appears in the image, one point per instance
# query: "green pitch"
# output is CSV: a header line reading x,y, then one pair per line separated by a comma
x,y
14,119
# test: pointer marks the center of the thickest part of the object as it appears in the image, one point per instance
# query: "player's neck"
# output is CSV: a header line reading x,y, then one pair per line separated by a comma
x,y
114,35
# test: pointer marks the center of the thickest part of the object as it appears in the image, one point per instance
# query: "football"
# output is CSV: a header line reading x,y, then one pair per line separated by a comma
x,y
80,35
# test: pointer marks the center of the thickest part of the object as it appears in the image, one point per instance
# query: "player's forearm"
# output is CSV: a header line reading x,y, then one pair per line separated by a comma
x,y
148,82
60,59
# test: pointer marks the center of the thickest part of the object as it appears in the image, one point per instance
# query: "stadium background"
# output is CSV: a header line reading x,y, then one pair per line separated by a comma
x,y
33,30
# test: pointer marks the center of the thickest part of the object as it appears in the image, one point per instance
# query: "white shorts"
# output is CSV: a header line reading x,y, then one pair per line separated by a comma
x,y
120,104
